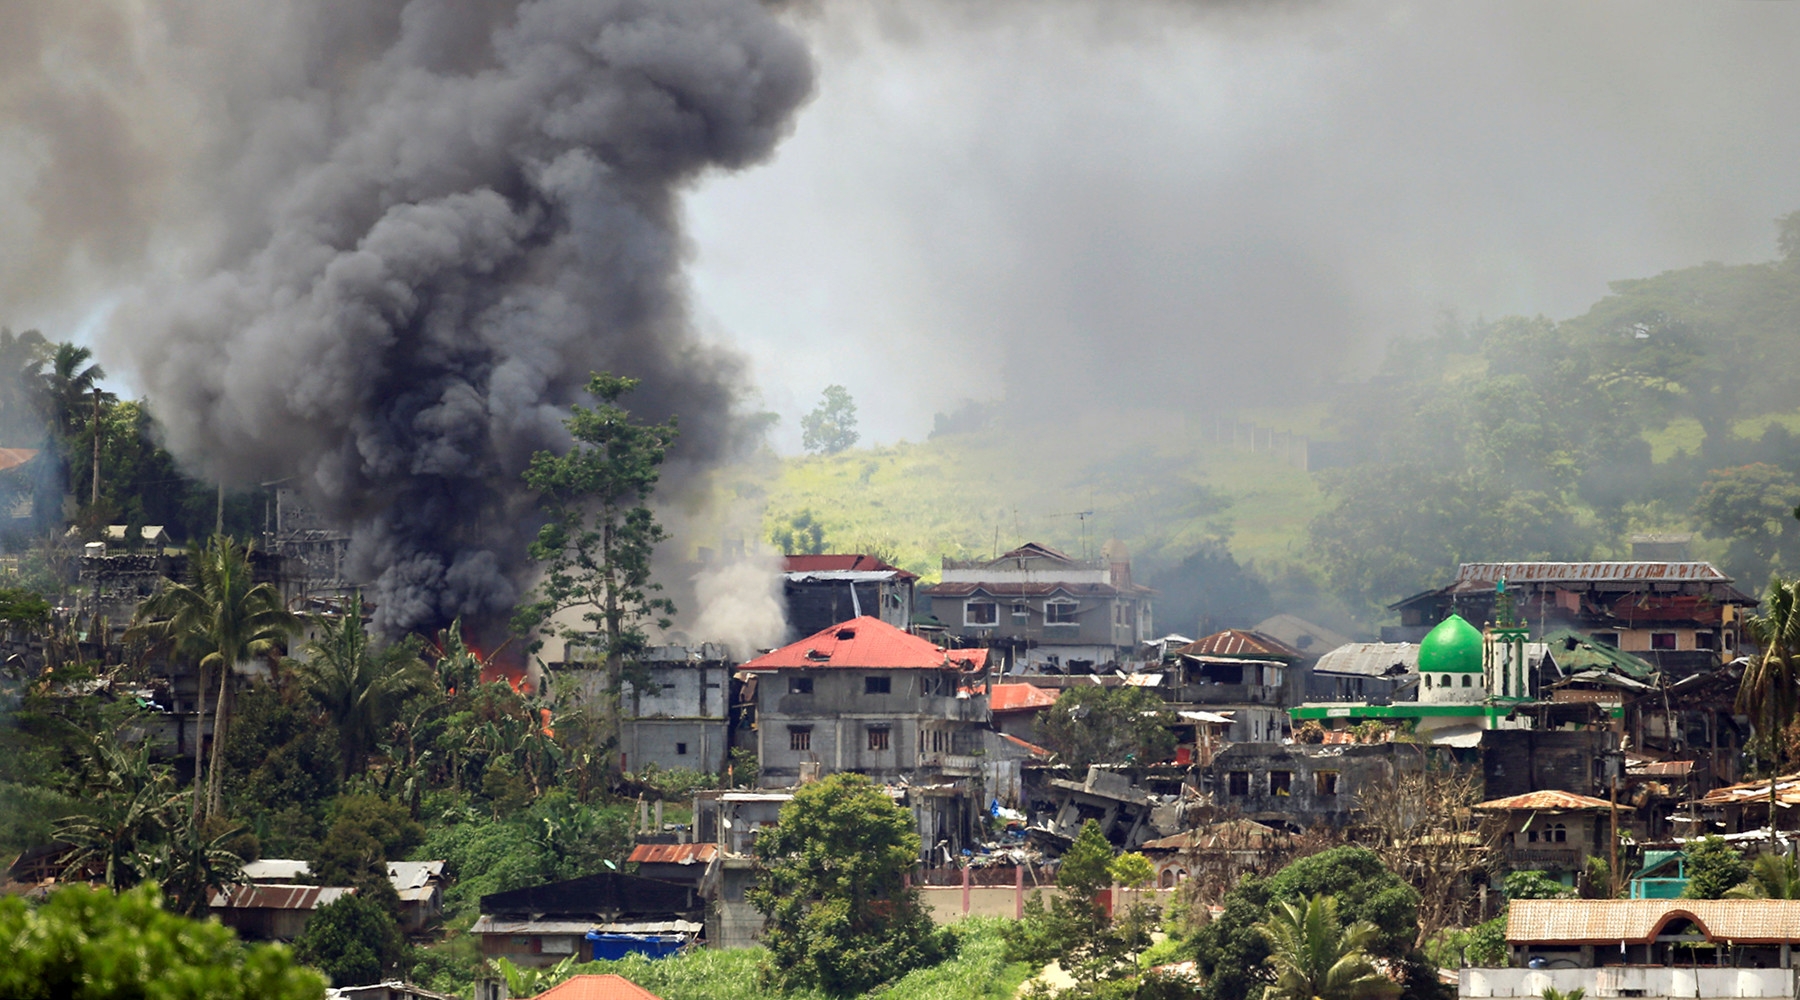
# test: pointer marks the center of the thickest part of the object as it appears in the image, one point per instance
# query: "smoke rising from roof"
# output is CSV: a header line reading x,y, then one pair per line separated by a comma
x,y
432,223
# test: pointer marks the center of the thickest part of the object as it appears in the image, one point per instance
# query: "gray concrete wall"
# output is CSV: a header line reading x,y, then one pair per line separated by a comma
x,y
661,741
839,713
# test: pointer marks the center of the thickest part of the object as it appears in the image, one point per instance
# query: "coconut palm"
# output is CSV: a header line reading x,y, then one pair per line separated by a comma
x,y
1314,957
1772,876
22,360
361,687
221,618
1767,691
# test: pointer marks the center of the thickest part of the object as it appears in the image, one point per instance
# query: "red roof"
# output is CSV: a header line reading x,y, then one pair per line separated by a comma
x,y
12,458
1035,750
1019,698
869,643
607,987
673,854
1236,642
1544,801
839,564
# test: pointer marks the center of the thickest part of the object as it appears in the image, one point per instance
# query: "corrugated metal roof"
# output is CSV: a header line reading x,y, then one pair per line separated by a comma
x,y
277,897
673,854
866,643
1019,698
488,924
276,870
840,562
1586,572
1545,801
1787,792
1609,921
1032,748
1371,659
414,874
1237,642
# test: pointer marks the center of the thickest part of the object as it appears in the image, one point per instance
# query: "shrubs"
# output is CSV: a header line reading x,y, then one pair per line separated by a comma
x,y
351,939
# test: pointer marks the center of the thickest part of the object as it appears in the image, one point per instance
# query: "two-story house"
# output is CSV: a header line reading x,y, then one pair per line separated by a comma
x,y
1044,611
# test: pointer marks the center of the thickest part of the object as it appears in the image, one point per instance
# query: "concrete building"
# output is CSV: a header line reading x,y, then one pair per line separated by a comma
x,y
1553,831
1044,611
1293,786
822,590
680,719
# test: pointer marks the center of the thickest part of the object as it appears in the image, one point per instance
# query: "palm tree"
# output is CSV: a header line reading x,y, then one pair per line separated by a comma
x,y
1316,958
359,686
1772,876
222,618
1767,691
189,866
133,805
70,382
1552,993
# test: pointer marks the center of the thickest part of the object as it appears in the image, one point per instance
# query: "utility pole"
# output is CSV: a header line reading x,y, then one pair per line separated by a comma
x,y
95,497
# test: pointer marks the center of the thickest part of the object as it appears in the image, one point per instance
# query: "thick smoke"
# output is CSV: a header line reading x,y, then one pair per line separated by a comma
x,y
430,231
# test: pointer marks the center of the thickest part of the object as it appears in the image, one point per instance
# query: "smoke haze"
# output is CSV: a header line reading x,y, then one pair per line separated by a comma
x,y
1205,205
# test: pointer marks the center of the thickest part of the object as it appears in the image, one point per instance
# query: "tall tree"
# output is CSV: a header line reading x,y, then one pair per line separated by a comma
x,y
220,618
71,382
841,917
831,426
1772,876
1767,692
22,360
1314,957
360,686
595,551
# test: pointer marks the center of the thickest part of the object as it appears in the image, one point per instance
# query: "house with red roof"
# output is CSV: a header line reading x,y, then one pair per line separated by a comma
x,y
822,590
1015,708
1044,611
867,697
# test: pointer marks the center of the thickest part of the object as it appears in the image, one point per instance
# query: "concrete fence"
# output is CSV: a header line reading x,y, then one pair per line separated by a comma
x,y
1629,981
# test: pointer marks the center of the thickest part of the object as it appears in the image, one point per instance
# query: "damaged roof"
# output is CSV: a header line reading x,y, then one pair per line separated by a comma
x,y
1610,921
844,563
1787,792
1371,659
1240,643
673,854
1577,653
866,643
277,897
1484,575
1019,698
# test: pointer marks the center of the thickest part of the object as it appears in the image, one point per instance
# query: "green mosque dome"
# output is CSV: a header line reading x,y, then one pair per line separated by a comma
x,y
1453,647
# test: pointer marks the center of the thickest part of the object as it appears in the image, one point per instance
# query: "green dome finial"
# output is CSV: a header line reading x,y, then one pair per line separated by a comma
x,y
1453,647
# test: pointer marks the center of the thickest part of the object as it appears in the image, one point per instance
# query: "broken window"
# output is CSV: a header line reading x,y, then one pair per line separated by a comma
x,y
1281,782
1662,640
878,737
981,613
800,738
1325,782
1237,783
1060,612
877,685
800,685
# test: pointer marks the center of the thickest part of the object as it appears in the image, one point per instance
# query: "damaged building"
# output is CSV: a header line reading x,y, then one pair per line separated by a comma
x,y
820,591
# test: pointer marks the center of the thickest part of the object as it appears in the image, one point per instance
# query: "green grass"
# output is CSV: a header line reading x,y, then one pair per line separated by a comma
x,y
978,972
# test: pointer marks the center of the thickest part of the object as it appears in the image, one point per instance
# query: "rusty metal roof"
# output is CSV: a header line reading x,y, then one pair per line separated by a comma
x,y
277,897
1486,574
1239,643
1787,792
1019,698
673,854
1546,801
1608,921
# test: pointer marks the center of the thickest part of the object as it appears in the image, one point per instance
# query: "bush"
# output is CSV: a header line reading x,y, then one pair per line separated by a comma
x,y
88,943
351,939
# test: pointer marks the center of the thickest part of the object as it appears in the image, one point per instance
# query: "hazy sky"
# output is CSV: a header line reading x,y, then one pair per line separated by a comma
x,y
1143,203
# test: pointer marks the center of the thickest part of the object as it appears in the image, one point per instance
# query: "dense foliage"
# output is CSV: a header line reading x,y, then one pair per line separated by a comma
x,y
1714,868
88,944
840,915
352,940
1101,725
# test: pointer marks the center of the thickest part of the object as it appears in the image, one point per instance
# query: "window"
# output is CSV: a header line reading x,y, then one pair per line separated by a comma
x,y
878,737
1281,782
1021,611
877,685
1060,613
1559,833
681,749
981,613
1468,680
1237,783
1706,640
1606,638
800,739
1427,678
1662,640
1118,613
1325,782
800,685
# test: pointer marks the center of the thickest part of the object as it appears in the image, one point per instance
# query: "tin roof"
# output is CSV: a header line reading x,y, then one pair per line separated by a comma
x,y
277,897
1609,921
1485,575
673,854
1019,698
1371,659
276,870
1240,643
601,987
841,563
414,874
1787,792
1546,801
867,643
1030,748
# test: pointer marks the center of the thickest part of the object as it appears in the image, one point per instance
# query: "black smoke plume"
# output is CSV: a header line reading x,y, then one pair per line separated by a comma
x,y
478,209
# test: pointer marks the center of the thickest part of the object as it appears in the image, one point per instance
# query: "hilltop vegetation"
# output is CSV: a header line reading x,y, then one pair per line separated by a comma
x,y
1669,406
